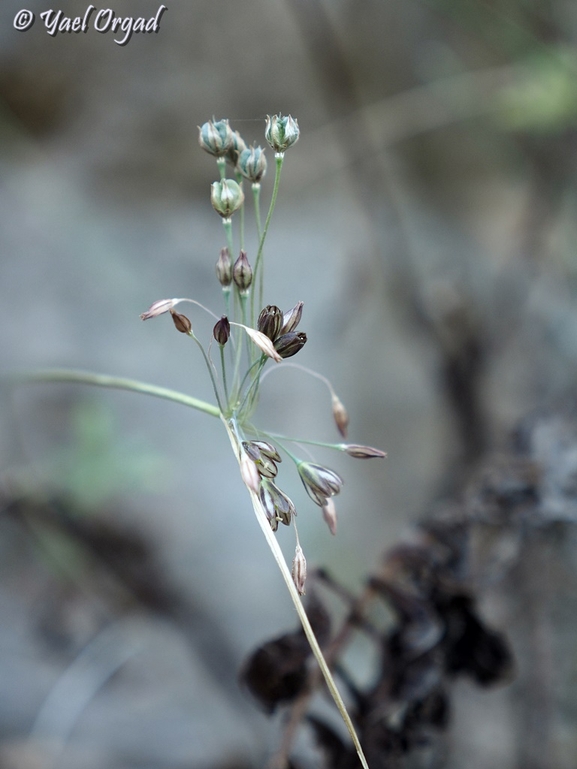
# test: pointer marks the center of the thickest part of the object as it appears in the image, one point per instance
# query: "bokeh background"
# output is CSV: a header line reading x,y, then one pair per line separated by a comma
x,y
427,218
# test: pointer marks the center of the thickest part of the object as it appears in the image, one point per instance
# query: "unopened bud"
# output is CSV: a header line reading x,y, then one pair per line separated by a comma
x,y
181,322
320,482
224,268
340,415
215,137
270,321
292,318
281,132
226,197
242,272
289,344
330,515
252,164
299,570
362,452
249,473
158,308
237,146
221,331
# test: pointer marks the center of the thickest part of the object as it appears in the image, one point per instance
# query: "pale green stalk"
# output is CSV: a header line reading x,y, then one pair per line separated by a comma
x,y
279,157
309,632
114,382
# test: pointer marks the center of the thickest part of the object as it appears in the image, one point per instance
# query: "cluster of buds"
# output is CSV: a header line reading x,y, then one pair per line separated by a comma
x,y
280,328
264,458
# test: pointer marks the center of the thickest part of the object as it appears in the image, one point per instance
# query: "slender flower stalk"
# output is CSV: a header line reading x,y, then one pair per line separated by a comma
x,y
274,335
258,265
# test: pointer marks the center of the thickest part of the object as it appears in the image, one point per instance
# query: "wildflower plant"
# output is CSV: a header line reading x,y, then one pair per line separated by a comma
x,y
247,337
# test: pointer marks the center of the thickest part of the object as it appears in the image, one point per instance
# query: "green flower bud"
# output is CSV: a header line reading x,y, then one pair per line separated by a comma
x,y
252,164
270,321
224,268
215,137
281,132
320,482
221,331
237,146
289,344
226,197
242,272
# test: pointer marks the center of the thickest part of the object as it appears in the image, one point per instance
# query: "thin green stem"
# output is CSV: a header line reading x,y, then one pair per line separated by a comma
x,y
256,198
221,163
223,367
322,444
257,265
227,224
239,181
210,366
309,632
117,383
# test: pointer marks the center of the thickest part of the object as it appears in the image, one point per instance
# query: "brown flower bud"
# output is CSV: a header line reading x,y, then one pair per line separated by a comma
x,y
340,415
299,570
292,318
270,321
362,452
289,344
181,322
266,467
242,272
221,331
224,268
330,515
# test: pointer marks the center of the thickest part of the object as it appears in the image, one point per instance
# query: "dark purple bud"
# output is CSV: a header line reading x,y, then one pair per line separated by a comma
x,y
221,331
289,344
270,321
242,272
224,268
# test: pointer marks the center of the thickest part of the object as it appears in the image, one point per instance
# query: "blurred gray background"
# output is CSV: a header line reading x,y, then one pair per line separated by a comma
x,y
427,220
